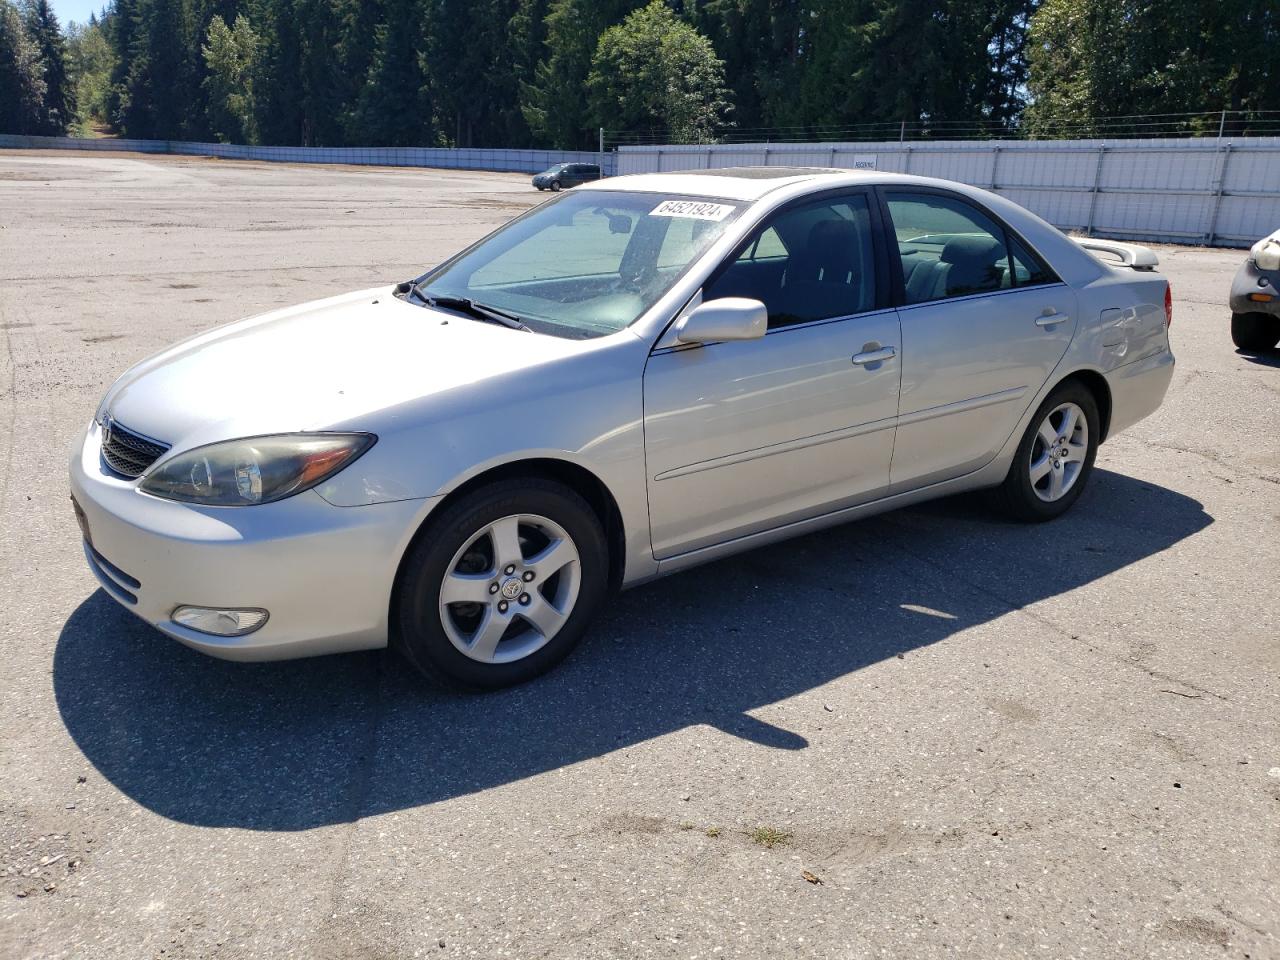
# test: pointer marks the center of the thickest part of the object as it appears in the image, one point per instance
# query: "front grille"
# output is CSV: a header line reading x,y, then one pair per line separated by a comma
x,y
126,452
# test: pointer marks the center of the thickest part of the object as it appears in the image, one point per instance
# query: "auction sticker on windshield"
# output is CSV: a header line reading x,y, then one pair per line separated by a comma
x,y
693,209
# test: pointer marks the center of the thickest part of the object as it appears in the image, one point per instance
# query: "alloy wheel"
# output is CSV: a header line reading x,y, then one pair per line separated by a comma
x,y
510,588
1059,451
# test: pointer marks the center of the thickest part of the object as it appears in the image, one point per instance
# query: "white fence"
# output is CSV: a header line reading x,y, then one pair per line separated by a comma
x,y
519,161
1222,192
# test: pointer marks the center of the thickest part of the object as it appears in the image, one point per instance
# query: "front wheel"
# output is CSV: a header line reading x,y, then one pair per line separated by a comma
x,y
555,186
1254,332
502,585
1054,458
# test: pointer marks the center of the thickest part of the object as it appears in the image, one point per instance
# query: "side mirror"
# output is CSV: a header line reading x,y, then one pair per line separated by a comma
x,y
729,318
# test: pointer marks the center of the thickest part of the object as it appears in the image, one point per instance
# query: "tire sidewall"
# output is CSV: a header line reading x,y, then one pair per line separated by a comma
x,y
1254,332
419,630
555,186
1018,483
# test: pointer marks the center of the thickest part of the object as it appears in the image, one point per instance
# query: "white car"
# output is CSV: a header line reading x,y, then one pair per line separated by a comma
x,y
640,375
1255,298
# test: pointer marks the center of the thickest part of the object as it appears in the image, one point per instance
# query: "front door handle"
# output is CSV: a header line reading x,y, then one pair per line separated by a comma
x,y
874,356
1049,319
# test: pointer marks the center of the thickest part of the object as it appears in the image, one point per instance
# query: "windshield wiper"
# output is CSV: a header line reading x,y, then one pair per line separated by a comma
x,y
478,310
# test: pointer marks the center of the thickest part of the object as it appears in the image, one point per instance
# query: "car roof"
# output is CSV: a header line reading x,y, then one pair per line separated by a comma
x,y
730,183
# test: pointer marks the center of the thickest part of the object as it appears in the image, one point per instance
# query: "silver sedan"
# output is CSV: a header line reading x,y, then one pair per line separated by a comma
x,y
645,374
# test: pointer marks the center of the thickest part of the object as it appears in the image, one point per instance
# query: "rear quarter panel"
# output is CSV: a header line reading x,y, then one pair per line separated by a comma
x,y
1122,319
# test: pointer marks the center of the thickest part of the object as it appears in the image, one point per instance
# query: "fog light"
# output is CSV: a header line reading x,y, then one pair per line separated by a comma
x,y
220,622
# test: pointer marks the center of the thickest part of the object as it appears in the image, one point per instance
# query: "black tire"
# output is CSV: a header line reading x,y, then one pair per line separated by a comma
x,y
555,186
1254,332
417,628
540,189
1016,497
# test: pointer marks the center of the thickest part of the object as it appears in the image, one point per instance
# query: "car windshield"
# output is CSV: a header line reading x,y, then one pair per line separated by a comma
x,y
585,264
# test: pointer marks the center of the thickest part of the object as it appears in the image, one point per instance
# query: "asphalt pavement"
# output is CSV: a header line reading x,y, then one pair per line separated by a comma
x,y
928,734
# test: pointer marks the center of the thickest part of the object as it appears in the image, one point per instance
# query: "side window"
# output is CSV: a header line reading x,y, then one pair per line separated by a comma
x,y
948,247
1028,271
766,246
811,262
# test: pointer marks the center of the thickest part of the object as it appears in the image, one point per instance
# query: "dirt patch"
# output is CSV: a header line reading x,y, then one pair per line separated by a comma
x,y
1196,930
1014,710
635,823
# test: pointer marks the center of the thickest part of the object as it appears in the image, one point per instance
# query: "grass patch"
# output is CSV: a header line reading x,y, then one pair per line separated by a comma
x,y
769,837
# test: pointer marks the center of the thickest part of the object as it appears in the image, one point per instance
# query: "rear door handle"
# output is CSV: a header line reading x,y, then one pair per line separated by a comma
x,y
874,356
1049,319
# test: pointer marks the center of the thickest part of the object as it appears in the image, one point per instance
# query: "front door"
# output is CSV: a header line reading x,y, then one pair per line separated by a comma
x,y
744,436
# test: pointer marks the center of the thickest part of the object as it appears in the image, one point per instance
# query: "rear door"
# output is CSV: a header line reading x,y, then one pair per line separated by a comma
x,y
744,436
984,324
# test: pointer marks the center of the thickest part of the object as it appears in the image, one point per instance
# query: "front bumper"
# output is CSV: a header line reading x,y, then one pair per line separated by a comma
x,y
324,573
1250,281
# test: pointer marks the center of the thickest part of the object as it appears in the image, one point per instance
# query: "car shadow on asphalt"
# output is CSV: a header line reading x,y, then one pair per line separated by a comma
x,y
294,745
1265,358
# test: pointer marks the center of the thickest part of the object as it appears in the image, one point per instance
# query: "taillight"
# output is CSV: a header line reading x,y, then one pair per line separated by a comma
x,y
1168,306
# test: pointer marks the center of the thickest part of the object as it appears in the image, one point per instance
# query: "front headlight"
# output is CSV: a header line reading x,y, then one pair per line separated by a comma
x,y
1267,256
238,473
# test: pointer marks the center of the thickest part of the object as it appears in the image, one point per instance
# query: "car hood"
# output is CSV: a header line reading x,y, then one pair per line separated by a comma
x,y
343,362
1257,247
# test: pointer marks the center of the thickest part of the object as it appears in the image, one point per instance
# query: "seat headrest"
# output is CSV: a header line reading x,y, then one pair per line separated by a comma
x,y
842,234
833,252
972,250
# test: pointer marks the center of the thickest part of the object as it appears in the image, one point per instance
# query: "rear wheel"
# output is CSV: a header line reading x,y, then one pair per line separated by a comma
x,y
502,585
1254,332
1055,457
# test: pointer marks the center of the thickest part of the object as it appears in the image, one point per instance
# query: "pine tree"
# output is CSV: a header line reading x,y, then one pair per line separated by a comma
x,y
471,81
392,110
22,84
358,29
59,107
555,102
280,90
322,89
121,28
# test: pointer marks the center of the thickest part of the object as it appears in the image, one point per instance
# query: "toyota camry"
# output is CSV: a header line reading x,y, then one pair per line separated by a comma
x,y
640,375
